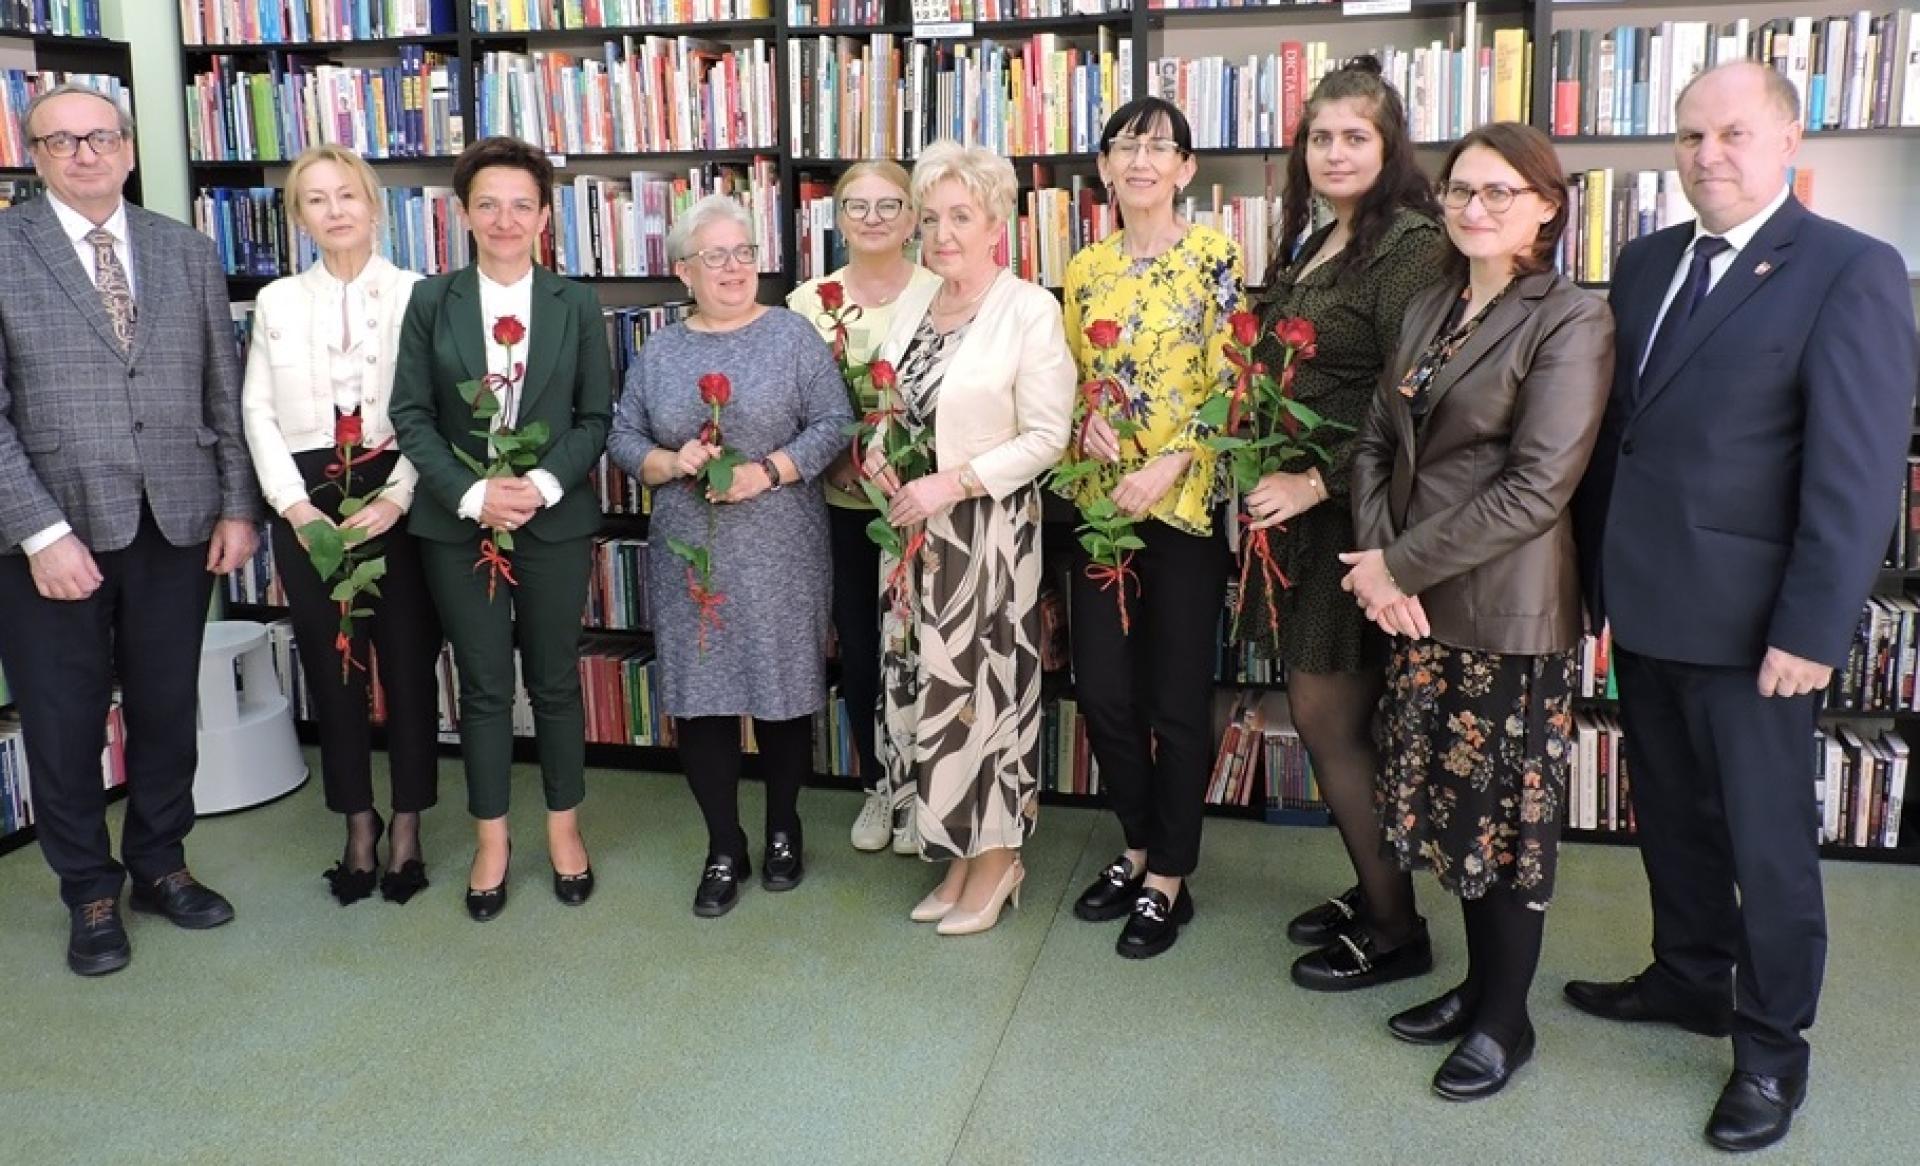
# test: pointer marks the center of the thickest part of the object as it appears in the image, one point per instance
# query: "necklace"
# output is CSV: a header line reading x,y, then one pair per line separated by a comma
x,y
881,301
963,307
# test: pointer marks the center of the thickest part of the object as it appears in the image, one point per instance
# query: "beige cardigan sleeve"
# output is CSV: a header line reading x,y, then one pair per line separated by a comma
x,y
1041,368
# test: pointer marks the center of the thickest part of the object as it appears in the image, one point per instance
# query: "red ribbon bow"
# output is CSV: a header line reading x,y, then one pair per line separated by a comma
x,y
498,566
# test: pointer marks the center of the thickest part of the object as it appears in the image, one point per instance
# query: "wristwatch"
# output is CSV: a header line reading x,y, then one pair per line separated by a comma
x,y
772,471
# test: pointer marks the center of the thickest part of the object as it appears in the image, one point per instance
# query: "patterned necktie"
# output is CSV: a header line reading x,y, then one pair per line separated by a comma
x,y
1686,301
116,295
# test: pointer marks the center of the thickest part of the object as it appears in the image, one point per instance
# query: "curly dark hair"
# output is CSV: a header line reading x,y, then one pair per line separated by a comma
x,y
503,151
1400,186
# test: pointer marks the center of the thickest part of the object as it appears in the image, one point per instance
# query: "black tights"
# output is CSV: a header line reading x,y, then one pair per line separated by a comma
x,y
1504,936
710,751
1334,712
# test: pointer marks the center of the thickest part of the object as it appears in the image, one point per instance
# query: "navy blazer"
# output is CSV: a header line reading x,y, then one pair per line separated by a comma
x,y
1742,496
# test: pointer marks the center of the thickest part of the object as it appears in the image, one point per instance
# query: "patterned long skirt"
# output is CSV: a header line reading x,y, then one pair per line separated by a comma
x,y
1476,748
960,679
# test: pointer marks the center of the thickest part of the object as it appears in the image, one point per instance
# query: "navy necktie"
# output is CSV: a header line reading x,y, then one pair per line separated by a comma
x,y
1685,302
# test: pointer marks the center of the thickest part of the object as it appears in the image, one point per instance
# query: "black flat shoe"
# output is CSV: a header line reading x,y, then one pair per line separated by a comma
x,y
96,939
1755,1111
1629,1002
1112,894
1153,925
184,900
397,886
1319,926
1436,1022
719,886
348,884
1481,1067
1355,961
781,869
485,905
573,890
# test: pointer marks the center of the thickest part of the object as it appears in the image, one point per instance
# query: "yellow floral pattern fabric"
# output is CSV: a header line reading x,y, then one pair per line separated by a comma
x,y
1172,313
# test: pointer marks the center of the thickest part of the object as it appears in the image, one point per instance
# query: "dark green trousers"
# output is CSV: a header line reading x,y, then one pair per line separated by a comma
x,y
540,616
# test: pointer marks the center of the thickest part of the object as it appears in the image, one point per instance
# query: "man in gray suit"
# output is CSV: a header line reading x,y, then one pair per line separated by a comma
x,y
124,487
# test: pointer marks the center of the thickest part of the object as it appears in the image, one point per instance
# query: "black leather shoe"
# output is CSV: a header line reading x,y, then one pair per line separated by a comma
x,y
781,869
96,942
1630,1002
719,886
183,900
484,906
1355,960
573,890
1436,1022
1154,924
397,886
1754,1111
1319,926
1112,894
1479,1067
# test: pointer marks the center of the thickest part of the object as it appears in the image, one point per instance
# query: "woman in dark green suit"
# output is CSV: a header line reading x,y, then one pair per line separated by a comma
x,y
537,342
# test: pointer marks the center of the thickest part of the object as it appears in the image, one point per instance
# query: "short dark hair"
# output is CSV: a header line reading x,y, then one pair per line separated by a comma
x,y
503,151
1139,115
1531,154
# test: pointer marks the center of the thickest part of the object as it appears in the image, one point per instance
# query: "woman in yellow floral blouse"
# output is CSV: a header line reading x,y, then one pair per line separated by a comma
x,y
1146,311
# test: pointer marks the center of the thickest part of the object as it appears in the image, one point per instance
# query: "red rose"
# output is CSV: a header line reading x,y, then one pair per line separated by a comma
x,y
1245,327
1295,332
832,295
715,389
347,429
881,373
508,331
1103,333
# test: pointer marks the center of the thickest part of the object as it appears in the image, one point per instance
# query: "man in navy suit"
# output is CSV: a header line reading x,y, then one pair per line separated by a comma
x,y
1731,524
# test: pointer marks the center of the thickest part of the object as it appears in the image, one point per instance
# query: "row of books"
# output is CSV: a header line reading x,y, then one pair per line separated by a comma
x,y
16,778
1856,71
18,88
617,596
620,493
641,95
1067,765
1883,660
410,109
1903,553
614,227
59,17
950,11
628,328
540,15
253,235
253,22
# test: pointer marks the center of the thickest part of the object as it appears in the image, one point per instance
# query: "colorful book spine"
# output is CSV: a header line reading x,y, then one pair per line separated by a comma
x,y
410,109
251,22
18,88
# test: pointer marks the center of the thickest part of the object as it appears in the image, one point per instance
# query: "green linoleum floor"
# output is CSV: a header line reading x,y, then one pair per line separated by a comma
x,y
821,1026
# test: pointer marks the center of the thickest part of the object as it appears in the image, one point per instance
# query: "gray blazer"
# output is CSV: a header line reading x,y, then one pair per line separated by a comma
x,y
86,431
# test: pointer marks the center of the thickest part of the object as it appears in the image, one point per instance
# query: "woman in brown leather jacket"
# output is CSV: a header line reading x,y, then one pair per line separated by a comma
x,y
1462,477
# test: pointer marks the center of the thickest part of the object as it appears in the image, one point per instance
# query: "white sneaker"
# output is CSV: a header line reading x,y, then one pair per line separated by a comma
x,y
906,838
872,828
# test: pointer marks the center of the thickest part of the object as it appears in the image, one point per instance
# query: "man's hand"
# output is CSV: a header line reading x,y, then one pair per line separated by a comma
x,y
510,503
65,570
233,543
1785,674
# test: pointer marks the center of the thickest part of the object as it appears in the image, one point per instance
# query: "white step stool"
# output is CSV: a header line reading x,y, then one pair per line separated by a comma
x,y
248,751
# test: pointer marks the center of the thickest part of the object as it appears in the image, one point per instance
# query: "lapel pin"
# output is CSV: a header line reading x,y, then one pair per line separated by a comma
x,y
1763,268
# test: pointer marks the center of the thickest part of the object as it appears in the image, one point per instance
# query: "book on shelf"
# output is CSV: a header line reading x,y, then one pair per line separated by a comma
x,y
971,11
1067,765
618,227
617,597
629,327
255,22
1607,209
14,191
18,88
410,109
1236,765
1251,220
416,227
58,17
16,778
620,493
641,94
545,15
1293,792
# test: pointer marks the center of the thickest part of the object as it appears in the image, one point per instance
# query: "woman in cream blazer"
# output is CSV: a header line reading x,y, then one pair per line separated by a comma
x,y
984,372
319,370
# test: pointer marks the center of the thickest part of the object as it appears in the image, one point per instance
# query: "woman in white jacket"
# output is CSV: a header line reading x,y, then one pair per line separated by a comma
x,y
319,372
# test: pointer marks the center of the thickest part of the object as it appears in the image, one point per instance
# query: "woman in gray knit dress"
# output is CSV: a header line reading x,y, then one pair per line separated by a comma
x,y
763,655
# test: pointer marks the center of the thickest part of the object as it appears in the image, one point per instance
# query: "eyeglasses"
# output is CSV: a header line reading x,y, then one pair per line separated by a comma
x,y
519,208
65,145
1456,196
1159,149
884,209
714,258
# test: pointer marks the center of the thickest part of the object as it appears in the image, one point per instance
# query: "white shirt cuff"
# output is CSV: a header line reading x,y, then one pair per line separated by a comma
x,y
548,485
34,544
473,501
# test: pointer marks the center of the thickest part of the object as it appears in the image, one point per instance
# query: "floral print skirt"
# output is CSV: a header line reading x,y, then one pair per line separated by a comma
x,y
1476,748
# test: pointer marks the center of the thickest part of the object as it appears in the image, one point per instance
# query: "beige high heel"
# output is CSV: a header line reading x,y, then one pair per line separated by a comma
x,y
932,908
974,922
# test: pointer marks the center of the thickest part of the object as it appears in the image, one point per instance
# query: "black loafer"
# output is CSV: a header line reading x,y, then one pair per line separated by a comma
x,y
573,890
486,905
1154,924
183,900
397,886
1481,1067
1355,961
1629,1002
96,940
1755,1111
782,870
1319,926
1436,1022
719,886
1112,894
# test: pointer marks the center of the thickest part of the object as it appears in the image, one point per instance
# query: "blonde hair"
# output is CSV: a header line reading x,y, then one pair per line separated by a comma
x,y
340,156
987,177
882,168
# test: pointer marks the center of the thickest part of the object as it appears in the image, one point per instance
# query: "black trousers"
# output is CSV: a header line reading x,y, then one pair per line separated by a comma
x,y
404,633
141,627
856,623
1147,695
1722,786
710,751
